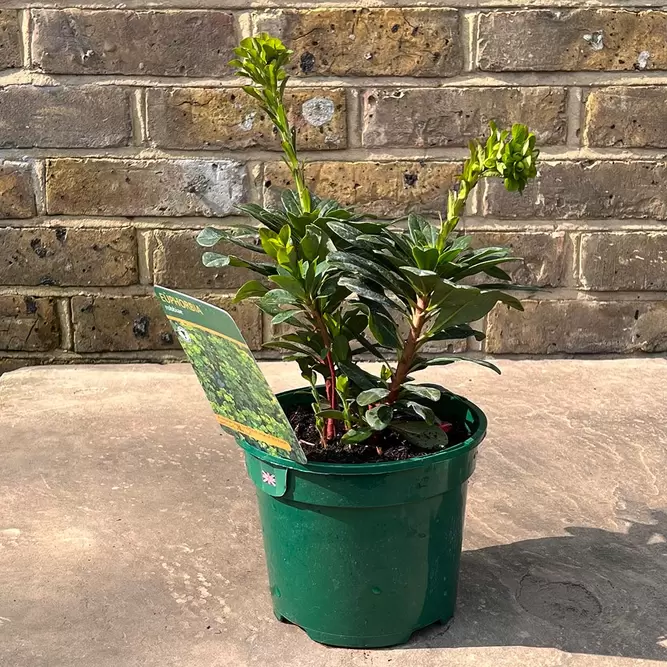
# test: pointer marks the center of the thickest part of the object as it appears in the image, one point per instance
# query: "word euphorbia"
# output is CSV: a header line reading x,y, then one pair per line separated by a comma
x,y
345,284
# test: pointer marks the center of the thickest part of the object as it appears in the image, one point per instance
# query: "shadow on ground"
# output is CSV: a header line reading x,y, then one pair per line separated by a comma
x,y
592,591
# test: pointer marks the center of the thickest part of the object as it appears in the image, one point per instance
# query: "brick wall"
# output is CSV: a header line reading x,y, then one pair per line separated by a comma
x,y
122,132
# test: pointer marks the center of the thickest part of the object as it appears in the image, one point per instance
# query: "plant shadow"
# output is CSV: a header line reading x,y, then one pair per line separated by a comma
x,y
592,591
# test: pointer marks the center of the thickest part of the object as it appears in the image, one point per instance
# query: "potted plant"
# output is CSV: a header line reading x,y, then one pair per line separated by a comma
x,y
363,542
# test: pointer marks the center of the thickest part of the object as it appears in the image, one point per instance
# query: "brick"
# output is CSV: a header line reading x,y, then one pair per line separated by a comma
x,y
64,117
60,256
571,40
176,259
578,326
369,42
379,188
28,323
10,39
17,196
143,187
132,323
203,118
585,189
627,117
454,116
124,323
624,261
110,41
547,258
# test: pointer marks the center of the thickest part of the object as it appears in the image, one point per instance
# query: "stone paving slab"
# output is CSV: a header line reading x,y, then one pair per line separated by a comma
x,y
129,535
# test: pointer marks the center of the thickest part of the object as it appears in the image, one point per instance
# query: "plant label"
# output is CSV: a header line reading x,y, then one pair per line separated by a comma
x,y
243,403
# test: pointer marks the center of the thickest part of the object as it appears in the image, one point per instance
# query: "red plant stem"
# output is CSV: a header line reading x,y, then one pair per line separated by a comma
x,y
409,350
330,382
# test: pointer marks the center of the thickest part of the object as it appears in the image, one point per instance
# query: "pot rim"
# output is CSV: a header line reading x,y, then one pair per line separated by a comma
x,y
383,467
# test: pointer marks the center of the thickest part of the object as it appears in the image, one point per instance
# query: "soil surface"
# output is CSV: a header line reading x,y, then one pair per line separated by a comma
x,y
384,446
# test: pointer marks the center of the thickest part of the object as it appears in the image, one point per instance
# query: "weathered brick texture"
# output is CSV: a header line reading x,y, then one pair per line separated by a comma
x,y
549,40
109,41
547,258
454,116
176,260
143,187
370,42
135,323
586,189
61,256
578,326
202,118
380,188
64,117
624,261
627,117
123,132
10,39
120,324
17,195
28,323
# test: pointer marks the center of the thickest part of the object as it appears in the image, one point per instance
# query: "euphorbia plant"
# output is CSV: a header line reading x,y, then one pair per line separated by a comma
x,y
306,293
416,275
334,275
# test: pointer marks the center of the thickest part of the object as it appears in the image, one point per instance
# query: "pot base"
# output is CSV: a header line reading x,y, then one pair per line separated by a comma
x,y
353,641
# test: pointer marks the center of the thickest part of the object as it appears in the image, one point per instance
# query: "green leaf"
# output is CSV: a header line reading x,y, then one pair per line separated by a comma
x,y
313,245
210,236
423,281
429,393
284,316
422,411
290,284
421,434
426,258
421,231
384,329
363,289
360,266
448,359
215,260
458,332
379,417
356,435
294,347
273,301
251,288
274,220
372,396
340,348
290,201
346,232
363,379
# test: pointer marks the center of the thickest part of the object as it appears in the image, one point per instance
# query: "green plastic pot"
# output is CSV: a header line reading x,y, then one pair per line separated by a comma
x,y
362,555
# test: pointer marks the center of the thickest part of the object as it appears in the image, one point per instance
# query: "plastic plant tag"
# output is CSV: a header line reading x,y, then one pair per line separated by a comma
x,y
244,404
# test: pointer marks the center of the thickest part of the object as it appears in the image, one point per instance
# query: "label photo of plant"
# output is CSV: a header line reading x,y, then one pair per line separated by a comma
x,y
243,402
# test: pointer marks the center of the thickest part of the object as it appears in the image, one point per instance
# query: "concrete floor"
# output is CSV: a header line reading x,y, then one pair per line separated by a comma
x,y
129,535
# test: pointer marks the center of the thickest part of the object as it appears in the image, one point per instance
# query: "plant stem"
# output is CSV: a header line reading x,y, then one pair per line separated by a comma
x,y
410,348
288,141
330,382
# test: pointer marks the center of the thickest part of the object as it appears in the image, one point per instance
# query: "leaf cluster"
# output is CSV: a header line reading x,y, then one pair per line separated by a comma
x,y
337,283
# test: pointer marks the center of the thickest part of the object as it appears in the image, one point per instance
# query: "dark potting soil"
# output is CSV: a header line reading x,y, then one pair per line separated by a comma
x,y
384,446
